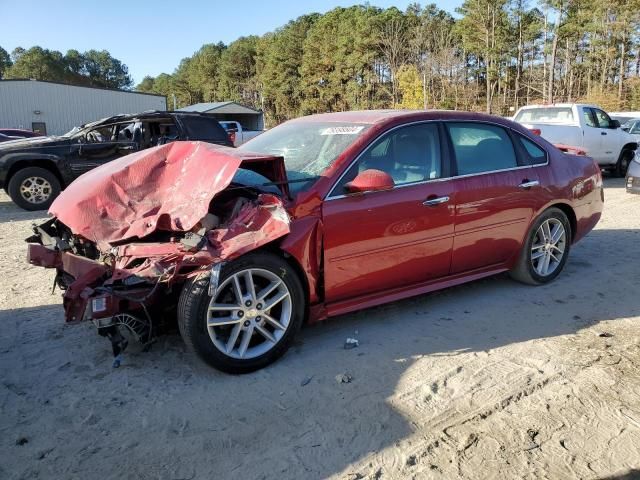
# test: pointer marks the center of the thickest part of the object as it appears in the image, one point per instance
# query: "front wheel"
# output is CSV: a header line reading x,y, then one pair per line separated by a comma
x,y
251,318
623,163
33,188
545,250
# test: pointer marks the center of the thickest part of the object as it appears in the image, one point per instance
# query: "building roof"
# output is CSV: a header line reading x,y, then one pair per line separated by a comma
x,y
80,86
219,107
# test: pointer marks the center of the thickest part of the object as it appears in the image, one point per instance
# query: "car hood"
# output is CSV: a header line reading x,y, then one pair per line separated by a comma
x,y
165,188
33,142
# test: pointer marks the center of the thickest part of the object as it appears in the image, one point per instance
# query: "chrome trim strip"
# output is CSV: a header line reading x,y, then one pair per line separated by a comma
x,y
435,201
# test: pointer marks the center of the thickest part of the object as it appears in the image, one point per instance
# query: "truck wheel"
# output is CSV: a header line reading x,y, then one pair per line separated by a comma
x,y
33,188
250,320
545,249
623,163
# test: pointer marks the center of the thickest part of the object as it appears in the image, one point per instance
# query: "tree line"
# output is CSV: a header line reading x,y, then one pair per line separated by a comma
x,y
493,55
92,68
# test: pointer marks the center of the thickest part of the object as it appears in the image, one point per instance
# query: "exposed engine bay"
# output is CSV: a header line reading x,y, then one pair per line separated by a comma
x,y
120,271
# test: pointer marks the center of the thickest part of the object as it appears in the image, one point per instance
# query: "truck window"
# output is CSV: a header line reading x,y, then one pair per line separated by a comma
x,y
603,119
545,115
589,119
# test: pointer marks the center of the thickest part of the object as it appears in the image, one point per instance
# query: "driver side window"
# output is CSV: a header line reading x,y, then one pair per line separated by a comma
x,y
603,119
408,154
99,135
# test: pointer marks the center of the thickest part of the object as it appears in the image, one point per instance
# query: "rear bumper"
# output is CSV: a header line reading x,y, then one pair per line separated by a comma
x,y
632,181
633,184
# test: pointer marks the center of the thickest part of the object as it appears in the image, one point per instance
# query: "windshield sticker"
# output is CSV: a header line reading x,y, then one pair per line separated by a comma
x,y
342,130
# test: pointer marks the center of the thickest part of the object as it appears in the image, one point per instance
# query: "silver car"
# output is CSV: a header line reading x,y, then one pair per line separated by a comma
x,y
633,174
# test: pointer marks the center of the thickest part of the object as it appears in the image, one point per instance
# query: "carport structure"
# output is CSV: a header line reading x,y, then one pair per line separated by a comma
x,y
249,118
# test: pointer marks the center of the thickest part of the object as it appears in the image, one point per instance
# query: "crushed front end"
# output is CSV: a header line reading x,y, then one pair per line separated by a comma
x,y
133,279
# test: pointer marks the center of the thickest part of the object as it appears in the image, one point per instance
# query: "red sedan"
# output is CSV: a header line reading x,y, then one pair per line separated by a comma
x,y
338,212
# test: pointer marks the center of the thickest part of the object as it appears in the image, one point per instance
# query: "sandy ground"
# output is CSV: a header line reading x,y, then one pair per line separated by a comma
x,y
489,380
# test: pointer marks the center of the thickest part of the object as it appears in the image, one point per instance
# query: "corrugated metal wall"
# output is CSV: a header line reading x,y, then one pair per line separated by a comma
x,y
63,107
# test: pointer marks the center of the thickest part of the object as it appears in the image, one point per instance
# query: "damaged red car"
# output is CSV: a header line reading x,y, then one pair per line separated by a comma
x,y
317,217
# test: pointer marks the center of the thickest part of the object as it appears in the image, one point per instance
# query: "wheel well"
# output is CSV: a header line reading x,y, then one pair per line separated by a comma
x,y
627,147
46,164
571,215
274,248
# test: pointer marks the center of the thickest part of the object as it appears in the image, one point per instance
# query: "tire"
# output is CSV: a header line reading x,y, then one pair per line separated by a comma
x,y
33,188
528,269
623,163
208,342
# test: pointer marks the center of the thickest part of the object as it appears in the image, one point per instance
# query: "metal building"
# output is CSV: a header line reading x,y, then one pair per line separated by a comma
x,y
249,118
53,108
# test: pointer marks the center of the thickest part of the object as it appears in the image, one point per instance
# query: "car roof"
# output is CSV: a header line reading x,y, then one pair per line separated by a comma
x,y
383,116
143,115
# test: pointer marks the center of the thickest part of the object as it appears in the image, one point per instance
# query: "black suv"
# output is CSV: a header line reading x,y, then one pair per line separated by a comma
x,y
33,171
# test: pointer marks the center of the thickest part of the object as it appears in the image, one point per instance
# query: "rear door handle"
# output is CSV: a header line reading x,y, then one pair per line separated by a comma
x,y
430,202
603,133
529,184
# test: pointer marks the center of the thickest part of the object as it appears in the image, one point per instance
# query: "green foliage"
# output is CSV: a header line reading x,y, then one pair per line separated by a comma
x,y
5,61
495,55
92,68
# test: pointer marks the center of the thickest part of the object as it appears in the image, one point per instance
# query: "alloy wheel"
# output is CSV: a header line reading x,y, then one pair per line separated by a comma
x,y
249,313
548,247
35,189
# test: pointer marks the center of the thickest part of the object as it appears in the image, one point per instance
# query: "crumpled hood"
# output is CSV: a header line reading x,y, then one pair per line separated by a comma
x,y
163,188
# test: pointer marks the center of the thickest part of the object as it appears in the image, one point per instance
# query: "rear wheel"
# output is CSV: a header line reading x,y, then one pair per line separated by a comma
x,y
33,188
546,249
251,318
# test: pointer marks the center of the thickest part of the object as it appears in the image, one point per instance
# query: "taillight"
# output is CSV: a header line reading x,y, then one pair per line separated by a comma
x,y
536,131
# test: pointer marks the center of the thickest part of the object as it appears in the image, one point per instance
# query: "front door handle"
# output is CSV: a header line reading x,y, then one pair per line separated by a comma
x,y
430,202
603,133
529,184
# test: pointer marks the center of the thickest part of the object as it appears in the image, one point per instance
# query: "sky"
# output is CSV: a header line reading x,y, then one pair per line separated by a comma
x,y
152,37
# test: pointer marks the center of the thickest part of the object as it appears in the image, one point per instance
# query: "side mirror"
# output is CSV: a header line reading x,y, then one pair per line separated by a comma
x,y
614,124
370,180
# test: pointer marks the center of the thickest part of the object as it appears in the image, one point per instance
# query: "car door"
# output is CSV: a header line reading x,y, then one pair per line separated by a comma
x,y
612,140
593,136
496,195
104,144
382,240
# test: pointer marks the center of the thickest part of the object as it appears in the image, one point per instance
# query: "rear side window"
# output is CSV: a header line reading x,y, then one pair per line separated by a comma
x,y
481,148
545,115
535,154
203,128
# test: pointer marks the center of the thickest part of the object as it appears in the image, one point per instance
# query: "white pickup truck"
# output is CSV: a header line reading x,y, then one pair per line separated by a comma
x,y
237,134
585,126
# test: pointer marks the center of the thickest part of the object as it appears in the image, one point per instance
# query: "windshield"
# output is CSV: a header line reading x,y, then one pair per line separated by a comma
x,y
308,148
545,115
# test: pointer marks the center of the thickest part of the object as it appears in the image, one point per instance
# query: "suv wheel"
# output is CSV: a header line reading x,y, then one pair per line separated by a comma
x,y
33,188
